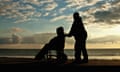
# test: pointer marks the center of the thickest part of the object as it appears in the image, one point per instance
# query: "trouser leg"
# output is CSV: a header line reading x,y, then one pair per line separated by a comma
x,y
77,51
84,52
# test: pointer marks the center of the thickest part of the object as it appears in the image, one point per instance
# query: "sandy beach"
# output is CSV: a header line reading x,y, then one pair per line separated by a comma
x,y
92,65
92,62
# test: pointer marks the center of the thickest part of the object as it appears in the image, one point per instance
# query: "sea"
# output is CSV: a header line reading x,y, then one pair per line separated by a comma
x,y
109,54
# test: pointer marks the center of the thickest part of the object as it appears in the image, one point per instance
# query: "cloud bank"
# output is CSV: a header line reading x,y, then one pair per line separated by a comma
x,y
92,11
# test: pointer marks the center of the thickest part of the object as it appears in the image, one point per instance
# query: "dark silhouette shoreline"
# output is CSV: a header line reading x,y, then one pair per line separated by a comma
x,y
93,62
35,65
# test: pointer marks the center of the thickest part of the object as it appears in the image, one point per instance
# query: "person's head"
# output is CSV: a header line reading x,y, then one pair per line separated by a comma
x,y
76,15
60,30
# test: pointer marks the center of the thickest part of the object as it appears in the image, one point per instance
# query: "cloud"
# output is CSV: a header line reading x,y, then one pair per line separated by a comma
x,y
101,12
107,13
22,20
92,11
105,39
46,14
61,10
71,3
46,1
16,30
78,4
37,14
66,17
58,18
51,6
35,2
16,10
92,2
26,9
109,17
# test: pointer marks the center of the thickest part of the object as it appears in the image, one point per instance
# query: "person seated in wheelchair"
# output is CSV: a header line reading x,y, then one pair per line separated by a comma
x,y
57,43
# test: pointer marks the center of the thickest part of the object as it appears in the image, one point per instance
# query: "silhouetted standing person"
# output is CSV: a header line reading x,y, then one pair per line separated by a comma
x,y
80,36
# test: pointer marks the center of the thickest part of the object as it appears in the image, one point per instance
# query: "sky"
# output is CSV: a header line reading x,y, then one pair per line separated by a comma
x,y
27,17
